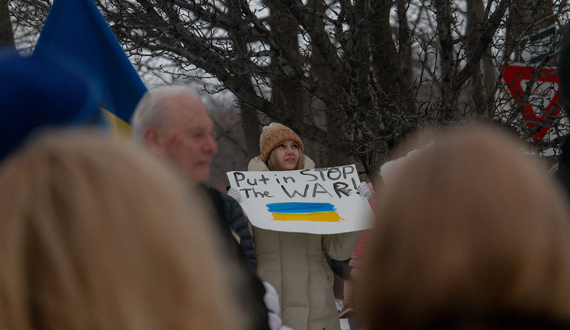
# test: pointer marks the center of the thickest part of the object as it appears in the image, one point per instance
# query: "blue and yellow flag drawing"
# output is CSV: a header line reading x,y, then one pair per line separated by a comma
x,y
301,211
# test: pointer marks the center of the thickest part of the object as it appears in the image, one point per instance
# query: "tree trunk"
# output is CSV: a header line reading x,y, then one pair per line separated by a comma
x,y
404,40
6,33
386,60
250,128
249,118
489,81
475,87
286,93
443,16
321,73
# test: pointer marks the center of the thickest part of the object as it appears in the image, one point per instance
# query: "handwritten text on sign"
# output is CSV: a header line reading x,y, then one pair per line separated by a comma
x,y
317,201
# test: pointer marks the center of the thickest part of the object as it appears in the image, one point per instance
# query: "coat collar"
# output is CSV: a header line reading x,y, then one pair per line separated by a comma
x,y
255,164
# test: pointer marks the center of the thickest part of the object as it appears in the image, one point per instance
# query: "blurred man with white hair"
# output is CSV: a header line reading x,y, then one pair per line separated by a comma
x,y
172,123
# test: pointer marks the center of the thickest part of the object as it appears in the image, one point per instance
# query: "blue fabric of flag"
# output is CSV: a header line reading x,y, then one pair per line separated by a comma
x,y
77,28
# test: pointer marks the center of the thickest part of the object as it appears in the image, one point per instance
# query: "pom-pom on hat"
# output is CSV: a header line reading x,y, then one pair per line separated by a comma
x,y
43,91
272,135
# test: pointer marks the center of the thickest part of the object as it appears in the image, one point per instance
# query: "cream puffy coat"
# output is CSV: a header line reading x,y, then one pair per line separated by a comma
x,y
296,265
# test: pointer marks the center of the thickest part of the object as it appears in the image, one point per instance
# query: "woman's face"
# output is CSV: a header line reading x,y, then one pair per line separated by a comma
x,y
288,154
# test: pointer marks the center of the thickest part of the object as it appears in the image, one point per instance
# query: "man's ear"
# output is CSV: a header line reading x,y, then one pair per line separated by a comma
x,y
153,140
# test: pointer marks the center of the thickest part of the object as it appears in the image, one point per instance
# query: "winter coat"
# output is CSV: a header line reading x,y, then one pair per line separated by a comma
x,y
248,287
296,265
234,217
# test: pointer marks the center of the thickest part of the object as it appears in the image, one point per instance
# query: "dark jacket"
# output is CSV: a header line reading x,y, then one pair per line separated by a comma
x,y
341,268
233,215
248,286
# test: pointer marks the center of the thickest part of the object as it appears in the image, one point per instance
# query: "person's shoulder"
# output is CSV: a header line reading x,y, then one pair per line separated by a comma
x,y
309,163
255,164
214,191
225,198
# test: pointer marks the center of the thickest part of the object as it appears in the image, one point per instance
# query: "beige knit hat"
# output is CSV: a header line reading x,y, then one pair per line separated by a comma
x,y
274,134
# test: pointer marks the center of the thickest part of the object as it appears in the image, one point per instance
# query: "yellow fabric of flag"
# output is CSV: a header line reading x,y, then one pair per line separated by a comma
x,y
119,129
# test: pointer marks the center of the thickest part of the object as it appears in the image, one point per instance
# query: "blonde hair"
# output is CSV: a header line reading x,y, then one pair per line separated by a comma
x,y
98,235
468,230
273,162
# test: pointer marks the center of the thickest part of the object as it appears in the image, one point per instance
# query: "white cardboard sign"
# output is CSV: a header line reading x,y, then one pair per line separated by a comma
x,y
314,201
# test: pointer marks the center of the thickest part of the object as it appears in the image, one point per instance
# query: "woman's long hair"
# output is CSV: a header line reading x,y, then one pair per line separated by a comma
x,y
98,235
273,162
469,230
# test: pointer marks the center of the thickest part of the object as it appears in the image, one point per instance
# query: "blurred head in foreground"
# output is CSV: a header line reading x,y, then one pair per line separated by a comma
x,y
469,231
98,235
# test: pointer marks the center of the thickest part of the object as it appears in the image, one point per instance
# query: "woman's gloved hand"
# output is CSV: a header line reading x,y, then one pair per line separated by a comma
x,y
234,193
365,191
271,299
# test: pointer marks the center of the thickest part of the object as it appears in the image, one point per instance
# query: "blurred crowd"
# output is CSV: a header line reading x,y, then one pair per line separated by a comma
x,y
100,233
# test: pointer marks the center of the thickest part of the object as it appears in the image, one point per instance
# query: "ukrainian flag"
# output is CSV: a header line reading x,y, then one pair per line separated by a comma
x,y
76,28
299,211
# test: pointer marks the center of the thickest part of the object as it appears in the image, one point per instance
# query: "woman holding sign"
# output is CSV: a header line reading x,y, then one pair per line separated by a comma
x,y
295,263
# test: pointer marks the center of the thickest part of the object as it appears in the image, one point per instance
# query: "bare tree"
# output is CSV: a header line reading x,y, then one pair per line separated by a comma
x,y
374,76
